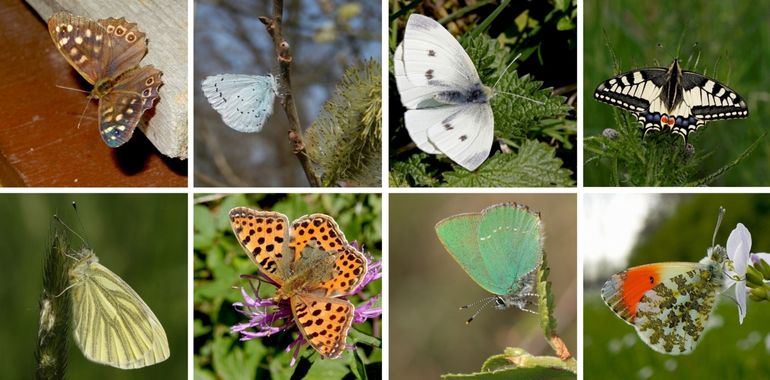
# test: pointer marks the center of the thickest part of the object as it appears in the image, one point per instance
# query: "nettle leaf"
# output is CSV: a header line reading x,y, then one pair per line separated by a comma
x,y
535,165
412,172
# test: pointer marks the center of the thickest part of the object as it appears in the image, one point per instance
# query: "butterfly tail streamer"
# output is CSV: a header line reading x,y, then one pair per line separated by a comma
x,y
54,323
274,28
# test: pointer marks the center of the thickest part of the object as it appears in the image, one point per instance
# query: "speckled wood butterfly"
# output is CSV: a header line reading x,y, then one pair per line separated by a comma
x,y
106,53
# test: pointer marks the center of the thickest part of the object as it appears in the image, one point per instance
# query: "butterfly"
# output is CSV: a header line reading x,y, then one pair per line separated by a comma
x,y
448,107
499,248
671,99
312,264
106,53
244,101
668,303
112,325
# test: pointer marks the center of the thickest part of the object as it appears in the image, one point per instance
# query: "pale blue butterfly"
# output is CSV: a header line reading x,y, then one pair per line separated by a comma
x,y
244,101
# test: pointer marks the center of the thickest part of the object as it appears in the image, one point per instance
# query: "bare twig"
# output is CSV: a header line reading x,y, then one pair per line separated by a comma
x,y
283,52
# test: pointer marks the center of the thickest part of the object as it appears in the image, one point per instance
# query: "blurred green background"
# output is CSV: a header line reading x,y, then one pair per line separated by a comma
x,y
733,40
679,228
142,238
428,333
220,260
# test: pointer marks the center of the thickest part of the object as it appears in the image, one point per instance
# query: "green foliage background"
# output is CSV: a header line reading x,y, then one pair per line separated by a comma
x,y
428,335
680,230
540,137
142,238
219,261
733,46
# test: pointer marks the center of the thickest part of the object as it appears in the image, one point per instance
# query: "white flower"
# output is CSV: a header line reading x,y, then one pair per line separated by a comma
x,y
738,251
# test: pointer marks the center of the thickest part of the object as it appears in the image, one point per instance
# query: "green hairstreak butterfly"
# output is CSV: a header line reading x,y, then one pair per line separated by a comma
x,y
499,248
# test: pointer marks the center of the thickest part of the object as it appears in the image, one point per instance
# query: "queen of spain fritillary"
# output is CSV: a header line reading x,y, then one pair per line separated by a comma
x,y
312,264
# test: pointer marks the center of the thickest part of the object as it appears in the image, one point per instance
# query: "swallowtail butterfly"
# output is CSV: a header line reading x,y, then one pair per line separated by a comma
x,y
671,99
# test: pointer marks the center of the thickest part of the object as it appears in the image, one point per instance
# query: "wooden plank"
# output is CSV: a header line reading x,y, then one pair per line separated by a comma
x,y
165,24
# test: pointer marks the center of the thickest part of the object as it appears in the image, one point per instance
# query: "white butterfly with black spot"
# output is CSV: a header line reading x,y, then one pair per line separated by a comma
x,y
448,107
244,101
671,99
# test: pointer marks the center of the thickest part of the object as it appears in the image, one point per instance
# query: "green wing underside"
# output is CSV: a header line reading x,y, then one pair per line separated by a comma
x,y
113,325
496,247
511,246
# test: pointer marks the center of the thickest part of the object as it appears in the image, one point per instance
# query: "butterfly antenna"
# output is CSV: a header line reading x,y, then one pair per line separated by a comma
x,y
84,113
72,89
485,303
719,221
506,69
520,96
74,205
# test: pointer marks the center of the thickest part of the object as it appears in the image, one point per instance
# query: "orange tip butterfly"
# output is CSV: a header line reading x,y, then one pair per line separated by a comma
x,y
669,303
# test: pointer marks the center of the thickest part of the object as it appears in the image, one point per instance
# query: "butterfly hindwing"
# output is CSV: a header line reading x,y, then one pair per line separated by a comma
x,y
464,132
121,109
244,101
324,322
511,245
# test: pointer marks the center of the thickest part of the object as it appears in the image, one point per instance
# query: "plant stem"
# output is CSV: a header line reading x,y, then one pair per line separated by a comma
x,y
53,330
273,26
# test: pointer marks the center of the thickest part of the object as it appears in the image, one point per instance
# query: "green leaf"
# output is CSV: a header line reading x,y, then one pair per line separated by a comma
x,y
517,363
205,227
234,361
412,172
535,165
327,370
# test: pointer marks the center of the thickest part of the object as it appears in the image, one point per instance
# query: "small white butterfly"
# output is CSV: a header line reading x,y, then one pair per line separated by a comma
x,y
244,101
448,107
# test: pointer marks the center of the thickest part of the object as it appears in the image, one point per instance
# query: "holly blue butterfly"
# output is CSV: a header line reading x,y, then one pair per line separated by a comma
x,y
448,107
244,101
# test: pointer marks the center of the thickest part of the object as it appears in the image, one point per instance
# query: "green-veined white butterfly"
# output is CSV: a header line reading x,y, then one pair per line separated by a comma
x,y
112,324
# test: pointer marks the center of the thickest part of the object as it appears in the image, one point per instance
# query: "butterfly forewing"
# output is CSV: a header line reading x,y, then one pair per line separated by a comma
x,y
128,44
264,235
82,42
112,324
432,56
121,109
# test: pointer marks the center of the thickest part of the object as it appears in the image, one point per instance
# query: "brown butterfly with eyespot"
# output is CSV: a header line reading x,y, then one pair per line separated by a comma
x,y
106,53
